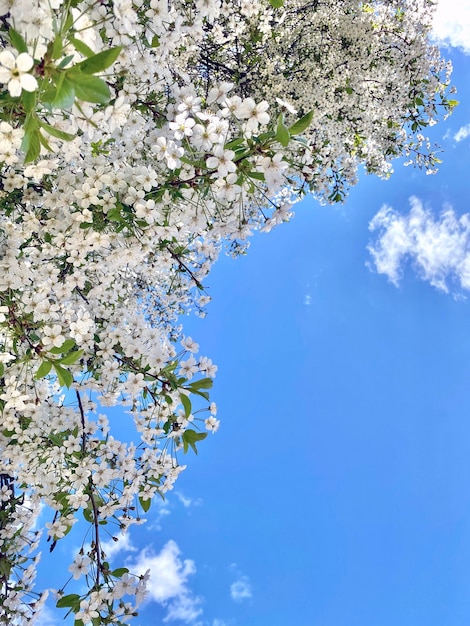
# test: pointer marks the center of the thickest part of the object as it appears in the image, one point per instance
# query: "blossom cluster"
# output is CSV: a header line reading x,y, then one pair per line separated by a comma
x,y
139,139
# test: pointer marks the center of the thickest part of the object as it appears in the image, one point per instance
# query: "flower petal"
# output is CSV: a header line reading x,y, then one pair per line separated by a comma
x,y
28,82
7,59
14,88
24,62
5,75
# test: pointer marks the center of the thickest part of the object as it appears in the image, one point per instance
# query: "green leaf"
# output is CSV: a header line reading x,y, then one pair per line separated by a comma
x,y
31,145
186,402
264,137
256,175
89,88
28,98
120,571
203,394
44,141
55,132
5,568
57,439
17,40
56,48
190,437
276,4
31,123
235,143
81,47
62,497
72,600
282,133
69,20
114,215
145,504
203,383
65,61
71,358
99,62
65,377
62,96
65,347
300,125
43,370
2,369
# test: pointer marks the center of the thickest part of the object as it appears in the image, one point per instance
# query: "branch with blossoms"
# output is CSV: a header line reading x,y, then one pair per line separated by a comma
x,y
138,141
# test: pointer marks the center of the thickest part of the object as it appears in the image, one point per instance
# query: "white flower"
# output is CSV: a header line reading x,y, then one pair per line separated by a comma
x,y
182,126
79,566
125,586
219,92
10,138
212,423
87,611
226,188
188,368
53,336
222,161
207,367
5,6
14,71
255,113
189,344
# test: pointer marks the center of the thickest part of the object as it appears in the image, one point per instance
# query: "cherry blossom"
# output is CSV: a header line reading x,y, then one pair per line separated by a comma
x,y
138,141
14,72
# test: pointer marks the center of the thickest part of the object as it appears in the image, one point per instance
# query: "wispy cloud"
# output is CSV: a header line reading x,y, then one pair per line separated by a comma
x,y
123,543
438,246
160,509
240,589
168,584
451,24
48,618
462,133
187,502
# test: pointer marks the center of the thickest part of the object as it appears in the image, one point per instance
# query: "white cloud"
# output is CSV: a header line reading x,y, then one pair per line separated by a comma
x,y
186,609
187,502
241,589
451,24
462,133
123,544
439,247
48,618
168,581
160,509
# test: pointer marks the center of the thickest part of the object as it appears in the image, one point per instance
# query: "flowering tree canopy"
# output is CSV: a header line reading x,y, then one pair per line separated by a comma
x,y
139,138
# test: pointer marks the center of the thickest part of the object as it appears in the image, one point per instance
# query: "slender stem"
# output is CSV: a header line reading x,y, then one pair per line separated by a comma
x,y
96,517
97,548
82,418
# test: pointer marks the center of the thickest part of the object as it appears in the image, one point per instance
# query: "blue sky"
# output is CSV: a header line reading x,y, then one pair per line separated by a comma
x,y
337,490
